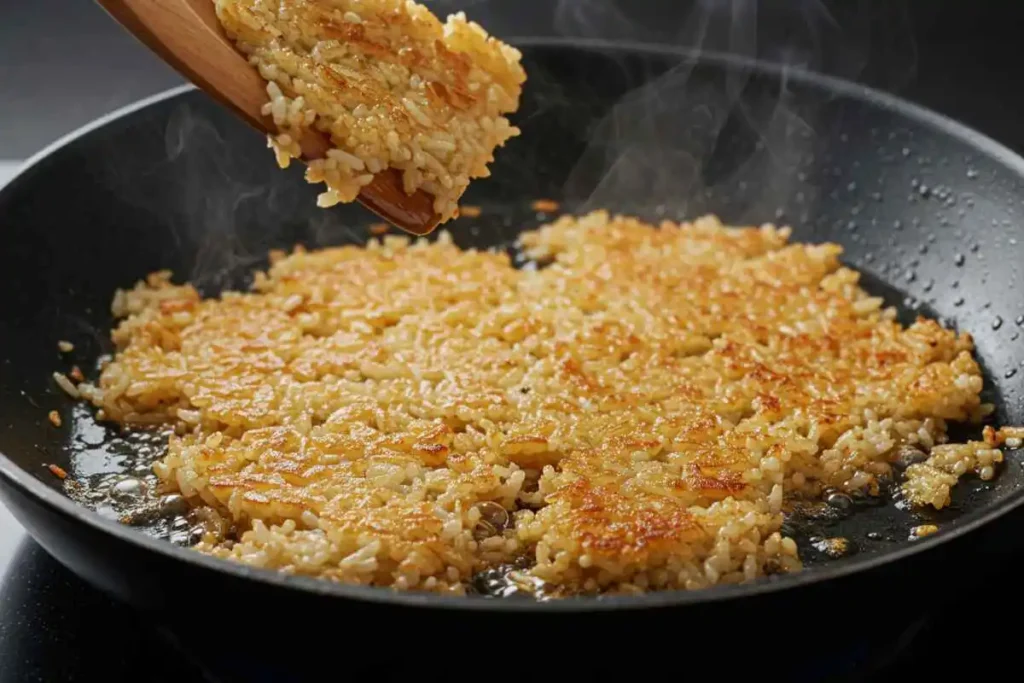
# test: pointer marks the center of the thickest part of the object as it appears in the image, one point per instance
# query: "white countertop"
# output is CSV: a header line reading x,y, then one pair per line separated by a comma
x,y
7,169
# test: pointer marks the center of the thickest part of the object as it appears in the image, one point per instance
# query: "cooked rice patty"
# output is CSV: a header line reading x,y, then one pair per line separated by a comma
x,y
641,408
390,84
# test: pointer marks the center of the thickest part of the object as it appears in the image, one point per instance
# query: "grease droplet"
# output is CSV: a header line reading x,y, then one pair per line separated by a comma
x,y
840,501
129,487
997,323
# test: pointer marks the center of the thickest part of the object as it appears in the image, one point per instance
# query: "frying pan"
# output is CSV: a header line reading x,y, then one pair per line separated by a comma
x,y
927,209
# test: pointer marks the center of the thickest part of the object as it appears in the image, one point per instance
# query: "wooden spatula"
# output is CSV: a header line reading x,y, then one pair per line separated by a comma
x,y
188,36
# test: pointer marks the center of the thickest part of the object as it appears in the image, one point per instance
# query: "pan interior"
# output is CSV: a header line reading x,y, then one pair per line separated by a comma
x,y
929,215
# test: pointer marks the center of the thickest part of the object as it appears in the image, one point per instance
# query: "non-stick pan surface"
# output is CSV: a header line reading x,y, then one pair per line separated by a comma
x,y
928,210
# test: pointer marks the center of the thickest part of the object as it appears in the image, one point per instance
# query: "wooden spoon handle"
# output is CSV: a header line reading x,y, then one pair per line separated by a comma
x,y
188,36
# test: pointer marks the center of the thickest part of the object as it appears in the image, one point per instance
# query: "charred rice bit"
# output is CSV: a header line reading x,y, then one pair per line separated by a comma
x,y
545,205
390,84
922,531
642,409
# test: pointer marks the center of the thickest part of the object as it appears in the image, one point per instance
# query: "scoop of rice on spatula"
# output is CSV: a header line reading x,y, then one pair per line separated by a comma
x,y
189,36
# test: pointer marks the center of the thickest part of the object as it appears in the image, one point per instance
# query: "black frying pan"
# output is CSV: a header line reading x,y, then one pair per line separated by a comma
x,y
926,208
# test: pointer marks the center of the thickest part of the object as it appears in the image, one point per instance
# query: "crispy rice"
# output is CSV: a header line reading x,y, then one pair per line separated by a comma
x,y
634,416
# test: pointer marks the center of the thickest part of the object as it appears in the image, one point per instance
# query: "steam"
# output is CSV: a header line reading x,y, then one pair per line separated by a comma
x,y
208,195
670,143
229,210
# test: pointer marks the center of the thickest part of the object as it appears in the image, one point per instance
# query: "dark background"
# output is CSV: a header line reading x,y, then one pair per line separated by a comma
x,y
64,62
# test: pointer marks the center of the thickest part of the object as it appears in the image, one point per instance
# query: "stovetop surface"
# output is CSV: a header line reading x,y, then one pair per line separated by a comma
x,y
55,628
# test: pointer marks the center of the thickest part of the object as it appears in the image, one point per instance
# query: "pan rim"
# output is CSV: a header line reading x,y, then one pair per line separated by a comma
x,y
35,489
